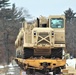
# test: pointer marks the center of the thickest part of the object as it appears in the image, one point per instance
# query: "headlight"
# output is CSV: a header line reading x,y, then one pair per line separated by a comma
x,y
34,33
52,33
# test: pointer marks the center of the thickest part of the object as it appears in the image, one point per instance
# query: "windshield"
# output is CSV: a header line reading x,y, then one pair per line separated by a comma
x,y
57,23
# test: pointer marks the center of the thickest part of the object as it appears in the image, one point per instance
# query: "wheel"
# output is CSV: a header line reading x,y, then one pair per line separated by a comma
x,y
56,71
63,67
47,72
30,72
56,53
28,52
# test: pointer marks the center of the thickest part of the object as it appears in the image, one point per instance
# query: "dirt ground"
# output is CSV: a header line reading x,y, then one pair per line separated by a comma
x,y
3,71
71,70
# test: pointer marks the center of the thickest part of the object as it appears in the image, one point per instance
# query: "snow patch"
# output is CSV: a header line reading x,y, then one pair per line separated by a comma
x,y
10,73
10,65
1,66
71,63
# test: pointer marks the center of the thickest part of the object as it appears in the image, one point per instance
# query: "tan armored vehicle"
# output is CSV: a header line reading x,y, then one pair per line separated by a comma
x,y
40,45
45,37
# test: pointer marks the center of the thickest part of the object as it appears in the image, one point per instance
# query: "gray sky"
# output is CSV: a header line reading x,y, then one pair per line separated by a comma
x,y
45,7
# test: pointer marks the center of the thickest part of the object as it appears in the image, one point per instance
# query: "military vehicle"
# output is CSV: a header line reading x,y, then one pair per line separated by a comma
x,y
42,42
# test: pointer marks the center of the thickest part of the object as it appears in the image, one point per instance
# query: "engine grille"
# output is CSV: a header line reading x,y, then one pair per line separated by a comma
x,y
43,38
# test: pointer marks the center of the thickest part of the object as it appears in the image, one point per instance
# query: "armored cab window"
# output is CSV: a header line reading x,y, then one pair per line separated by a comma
x,y
44,25
57,23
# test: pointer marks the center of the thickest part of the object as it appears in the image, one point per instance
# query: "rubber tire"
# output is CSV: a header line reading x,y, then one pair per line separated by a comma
x,y
30,71
28,52
56,53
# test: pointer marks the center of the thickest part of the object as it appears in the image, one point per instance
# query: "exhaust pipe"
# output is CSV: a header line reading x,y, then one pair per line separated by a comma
x,y
38,22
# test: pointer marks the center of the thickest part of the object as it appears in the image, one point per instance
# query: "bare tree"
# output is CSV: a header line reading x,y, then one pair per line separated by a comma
x,y
9,25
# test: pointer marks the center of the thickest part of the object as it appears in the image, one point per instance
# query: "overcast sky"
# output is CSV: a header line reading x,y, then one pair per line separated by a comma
x,y
45,7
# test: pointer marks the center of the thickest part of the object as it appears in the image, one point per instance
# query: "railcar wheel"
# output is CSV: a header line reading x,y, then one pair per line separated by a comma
x,y
30,72
56,71
63,67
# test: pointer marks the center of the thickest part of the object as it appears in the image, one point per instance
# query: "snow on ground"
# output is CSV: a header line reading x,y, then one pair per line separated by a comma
x,y
1,66
10,65
7,69
10,73
2,70
14,63
71,63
